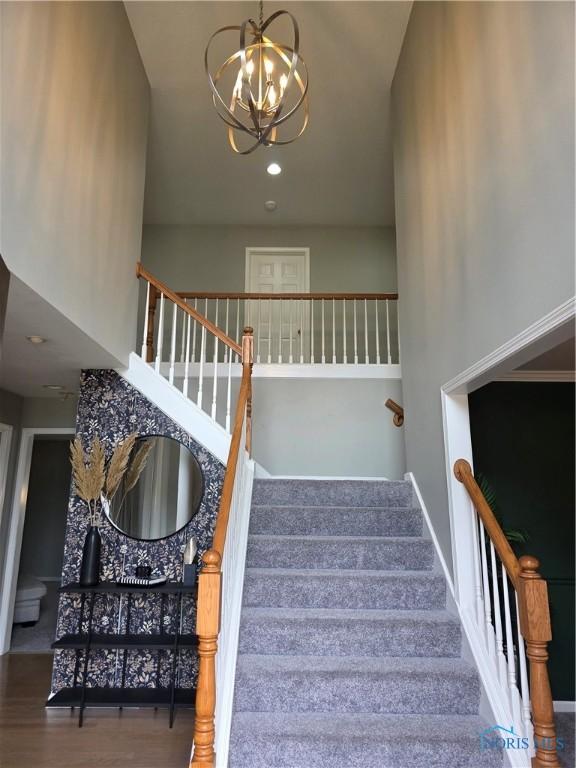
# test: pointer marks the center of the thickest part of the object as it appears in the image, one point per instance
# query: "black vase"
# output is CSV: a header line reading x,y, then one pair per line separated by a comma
x,y
90,568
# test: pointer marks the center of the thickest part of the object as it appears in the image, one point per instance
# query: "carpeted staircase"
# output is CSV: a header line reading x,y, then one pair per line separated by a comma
x,y
348,657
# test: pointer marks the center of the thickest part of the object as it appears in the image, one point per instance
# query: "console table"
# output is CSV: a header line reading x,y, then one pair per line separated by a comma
x,y
82,696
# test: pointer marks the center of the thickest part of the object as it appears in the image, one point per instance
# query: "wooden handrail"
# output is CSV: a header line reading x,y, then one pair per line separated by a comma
x,y
284,296
534,614
177,298
397,410
210,577
463,473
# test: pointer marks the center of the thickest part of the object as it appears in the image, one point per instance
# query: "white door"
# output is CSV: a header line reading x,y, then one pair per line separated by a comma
x,y
281,331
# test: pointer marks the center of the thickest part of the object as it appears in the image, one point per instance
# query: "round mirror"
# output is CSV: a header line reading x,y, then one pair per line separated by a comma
x,y
160,491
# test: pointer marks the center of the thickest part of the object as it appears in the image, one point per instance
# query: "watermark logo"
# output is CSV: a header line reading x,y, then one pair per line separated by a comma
x,y
499,737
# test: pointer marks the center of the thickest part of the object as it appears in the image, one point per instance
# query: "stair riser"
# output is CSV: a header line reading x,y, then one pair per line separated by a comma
x,y
324,493
373,555
253,750
392,692
341,591
323,637
335,521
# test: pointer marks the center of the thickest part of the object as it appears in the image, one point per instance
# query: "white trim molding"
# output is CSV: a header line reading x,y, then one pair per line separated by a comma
x,y
16,527
286,370
548,377
565,706
497,363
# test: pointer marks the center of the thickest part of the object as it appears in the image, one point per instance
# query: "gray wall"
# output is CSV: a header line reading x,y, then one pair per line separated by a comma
x,y
74,126
46,509
334,427
483,102
214,259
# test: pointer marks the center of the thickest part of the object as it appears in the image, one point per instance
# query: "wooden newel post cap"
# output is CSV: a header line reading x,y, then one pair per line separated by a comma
x,y
461,467
211,560
529,567
248,331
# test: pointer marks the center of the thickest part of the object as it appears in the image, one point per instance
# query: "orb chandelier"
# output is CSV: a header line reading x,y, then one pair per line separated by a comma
x,y
261,86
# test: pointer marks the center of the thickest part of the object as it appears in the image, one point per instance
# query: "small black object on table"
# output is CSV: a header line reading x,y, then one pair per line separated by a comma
x,y
82,696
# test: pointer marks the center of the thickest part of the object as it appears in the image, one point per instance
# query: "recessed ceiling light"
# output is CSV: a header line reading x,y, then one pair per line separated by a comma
x,y
36,339
270,205
274,169
53,386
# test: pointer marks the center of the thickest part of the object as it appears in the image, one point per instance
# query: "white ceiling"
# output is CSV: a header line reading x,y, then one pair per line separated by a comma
x,y
338,172
27,367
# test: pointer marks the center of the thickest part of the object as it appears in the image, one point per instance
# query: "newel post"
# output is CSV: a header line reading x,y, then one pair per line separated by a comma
x,y
247,359
207,629
150,325
537,632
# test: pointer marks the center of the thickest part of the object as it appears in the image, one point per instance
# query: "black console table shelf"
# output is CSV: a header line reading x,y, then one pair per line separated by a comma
x,y
81,695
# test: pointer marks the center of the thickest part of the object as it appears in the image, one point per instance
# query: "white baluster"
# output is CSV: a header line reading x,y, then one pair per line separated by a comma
x,y
344,355
216,319
355,335
229,394
333,330
187,357
478,580
183,339
201,371
226,350
323,335
377,332
259,331
290,329
366,357
173,344
514,696
500,658
280,302
194,334
301,331
525,697
160,335
311,330
215,380
269,330
486,592
398,329
237,337
144,353
388,334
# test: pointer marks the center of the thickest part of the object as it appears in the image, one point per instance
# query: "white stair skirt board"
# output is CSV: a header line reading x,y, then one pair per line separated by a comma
x,y
497,702
233,566
288,370
565,706
177,406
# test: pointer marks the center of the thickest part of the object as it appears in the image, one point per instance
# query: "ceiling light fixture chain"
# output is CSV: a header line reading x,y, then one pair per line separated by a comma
x,y
270,85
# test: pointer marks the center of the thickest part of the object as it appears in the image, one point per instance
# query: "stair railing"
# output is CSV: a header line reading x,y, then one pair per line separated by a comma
x,y
216,603
397,410
513,629
187,349
305,328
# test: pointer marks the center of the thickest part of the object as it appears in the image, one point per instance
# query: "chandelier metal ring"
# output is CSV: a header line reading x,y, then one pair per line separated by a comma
x,y
263,113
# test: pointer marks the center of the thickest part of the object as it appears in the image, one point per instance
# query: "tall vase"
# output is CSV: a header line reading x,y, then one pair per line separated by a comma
x,y
90,568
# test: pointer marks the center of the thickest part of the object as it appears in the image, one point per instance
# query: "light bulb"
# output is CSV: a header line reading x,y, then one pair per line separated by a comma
x,y
283,82
268,66
250,67
272,96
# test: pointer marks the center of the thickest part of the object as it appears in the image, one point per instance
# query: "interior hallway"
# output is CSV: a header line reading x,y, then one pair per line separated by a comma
x,y
32,735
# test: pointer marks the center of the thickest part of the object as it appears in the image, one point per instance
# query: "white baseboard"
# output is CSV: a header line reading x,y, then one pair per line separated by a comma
x,y
565,706
320,477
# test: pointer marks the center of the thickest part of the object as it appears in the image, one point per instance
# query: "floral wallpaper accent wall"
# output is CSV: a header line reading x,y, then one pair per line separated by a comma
x,y
111,408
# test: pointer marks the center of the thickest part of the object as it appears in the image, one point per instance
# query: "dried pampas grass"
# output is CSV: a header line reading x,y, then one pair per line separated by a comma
x,y
118,465
138,463
88,473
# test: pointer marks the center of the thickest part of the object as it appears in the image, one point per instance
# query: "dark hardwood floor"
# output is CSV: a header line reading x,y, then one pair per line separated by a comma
x,y
30,735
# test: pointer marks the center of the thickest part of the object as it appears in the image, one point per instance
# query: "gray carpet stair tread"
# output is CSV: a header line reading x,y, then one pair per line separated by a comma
x,y
298,587
337,521
335,632
356,684
357,493
321,740
346,552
